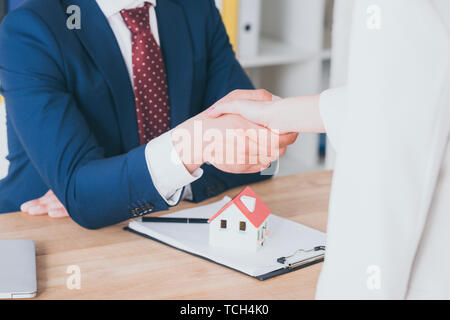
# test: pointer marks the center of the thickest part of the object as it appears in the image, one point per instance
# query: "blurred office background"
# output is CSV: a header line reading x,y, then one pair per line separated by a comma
x,y
285,45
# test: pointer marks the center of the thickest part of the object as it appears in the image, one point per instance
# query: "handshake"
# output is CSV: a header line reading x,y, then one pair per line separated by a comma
x,y
229,141
239,134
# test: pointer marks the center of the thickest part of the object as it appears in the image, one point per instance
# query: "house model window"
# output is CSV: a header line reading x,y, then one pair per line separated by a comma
x,y
246,218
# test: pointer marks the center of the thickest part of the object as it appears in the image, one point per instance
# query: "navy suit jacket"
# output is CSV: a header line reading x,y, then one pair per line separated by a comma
x,y
71,115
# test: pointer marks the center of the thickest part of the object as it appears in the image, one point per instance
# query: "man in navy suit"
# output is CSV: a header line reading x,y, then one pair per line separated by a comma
x,y
89,110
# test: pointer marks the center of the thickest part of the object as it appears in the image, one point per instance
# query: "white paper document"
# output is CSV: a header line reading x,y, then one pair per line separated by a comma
x,y
286,237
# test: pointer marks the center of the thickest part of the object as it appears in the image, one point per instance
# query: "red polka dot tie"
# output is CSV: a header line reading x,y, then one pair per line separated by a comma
x,y
149,76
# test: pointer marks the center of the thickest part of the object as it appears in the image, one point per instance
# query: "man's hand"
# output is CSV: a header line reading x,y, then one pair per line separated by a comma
x,y
230,143
49,205
252,95
242,146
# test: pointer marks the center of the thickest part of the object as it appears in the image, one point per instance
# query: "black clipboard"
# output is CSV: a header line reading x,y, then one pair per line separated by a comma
x,y
283,269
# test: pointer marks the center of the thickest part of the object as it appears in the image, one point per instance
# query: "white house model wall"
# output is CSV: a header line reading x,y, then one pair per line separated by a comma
x,y
232,228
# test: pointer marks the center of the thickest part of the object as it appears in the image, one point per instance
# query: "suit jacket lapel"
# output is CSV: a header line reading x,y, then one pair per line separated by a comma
x,y
177,50
101,44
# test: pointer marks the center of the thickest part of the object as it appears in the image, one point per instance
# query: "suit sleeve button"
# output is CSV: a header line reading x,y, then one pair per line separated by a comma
x,y
149,207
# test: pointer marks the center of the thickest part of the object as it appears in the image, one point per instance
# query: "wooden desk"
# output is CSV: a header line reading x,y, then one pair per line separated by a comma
x,y
116,264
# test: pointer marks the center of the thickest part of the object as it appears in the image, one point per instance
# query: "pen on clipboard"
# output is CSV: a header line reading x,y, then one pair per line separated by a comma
x,y
174,220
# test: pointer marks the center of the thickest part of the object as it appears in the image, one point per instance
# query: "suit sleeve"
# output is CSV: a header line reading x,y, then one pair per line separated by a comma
x,y
97,191
225,74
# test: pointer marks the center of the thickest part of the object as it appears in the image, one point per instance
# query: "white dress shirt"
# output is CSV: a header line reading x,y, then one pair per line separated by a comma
x,y
389,214
168,173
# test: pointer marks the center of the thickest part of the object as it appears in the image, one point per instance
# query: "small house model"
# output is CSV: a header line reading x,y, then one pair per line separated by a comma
x,y
241,224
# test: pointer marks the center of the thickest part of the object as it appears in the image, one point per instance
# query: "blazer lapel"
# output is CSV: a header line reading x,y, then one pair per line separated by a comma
x,y
178,55
101,44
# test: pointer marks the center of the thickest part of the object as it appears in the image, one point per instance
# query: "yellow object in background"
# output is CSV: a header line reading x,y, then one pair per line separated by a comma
x,y
2,100
230,16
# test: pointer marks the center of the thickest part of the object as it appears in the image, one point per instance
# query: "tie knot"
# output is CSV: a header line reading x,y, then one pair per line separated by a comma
x,y
137,19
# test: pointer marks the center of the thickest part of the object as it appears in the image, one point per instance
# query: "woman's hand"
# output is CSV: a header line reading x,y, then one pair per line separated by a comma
x,y
259,112
284,115
49,205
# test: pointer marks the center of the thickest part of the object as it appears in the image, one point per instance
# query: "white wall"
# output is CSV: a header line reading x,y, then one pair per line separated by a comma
x,y
3,143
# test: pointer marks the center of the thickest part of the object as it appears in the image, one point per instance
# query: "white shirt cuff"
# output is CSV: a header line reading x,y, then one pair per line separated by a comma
x,y
168,172
188,195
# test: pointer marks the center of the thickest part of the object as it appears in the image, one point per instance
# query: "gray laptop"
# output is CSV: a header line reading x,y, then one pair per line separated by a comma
x,y
17,269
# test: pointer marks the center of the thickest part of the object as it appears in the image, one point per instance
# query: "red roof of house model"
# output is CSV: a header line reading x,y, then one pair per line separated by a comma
x,y
256,216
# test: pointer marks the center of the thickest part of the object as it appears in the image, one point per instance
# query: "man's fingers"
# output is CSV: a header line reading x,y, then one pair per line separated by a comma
x,y
27,205
287,139
223,108
256,95
56,204
48,199
44,205
58,213
260,95
38,210
252,111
